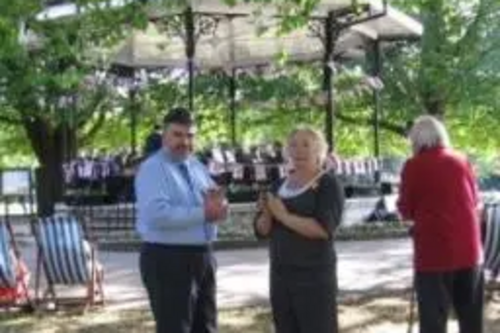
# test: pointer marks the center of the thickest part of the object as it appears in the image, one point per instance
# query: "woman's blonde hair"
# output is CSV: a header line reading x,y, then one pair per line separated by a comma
x,y
317,138
428,132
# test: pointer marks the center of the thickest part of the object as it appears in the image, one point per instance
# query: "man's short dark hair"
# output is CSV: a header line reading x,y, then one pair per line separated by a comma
x,y
178,115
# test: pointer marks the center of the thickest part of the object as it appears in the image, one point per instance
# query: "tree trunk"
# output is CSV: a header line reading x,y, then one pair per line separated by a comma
x,y
49,187
433,67
50,145
434,106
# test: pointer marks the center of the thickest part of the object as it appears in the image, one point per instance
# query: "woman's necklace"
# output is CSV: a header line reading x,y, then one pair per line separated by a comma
x,y
293,187
294,183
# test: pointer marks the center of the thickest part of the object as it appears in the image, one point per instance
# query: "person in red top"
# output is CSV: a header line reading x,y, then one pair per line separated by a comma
x,y
438,195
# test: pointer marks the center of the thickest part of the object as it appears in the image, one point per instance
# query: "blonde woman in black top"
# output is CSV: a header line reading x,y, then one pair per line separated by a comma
x,y
299,215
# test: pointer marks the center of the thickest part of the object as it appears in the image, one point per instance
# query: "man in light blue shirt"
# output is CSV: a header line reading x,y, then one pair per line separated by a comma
x,y
178,206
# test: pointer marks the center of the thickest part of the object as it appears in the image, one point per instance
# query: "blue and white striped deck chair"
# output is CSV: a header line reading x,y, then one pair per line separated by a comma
x,y
491,241
67,259
8,269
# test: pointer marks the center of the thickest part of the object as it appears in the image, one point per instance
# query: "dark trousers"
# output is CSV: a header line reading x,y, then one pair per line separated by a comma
x,y
304,301
461,289
180,282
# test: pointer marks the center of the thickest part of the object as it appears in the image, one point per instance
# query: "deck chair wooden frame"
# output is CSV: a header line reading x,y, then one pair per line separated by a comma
x,y
491,241
66,258
9,277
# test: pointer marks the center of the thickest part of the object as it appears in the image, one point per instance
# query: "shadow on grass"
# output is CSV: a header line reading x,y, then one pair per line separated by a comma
x,y
358,315
95,321
250,320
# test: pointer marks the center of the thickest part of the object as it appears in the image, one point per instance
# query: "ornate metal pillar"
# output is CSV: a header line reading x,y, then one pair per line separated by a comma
x,y
190,53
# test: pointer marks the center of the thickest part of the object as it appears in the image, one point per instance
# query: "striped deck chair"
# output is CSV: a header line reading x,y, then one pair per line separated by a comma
x,y
14,291
67,259
491,241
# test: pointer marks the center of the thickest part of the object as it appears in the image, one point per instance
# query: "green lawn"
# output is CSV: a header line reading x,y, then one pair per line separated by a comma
x,y
379,315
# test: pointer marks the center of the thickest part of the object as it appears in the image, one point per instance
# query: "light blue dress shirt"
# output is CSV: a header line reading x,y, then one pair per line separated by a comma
x,y
169,205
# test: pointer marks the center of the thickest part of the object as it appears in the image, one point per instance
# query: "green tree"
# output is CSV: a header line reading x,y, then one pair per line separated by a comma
x,y
454,69
45,79
452,72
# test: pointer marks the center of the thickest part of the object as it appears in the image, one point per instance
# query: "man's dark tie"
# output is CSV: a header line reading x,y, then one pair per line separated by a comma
x,y
185,173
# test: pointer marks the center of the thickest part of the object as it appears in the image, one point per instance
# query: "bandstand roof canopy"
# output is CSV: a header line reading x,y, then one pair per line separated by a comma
x,y
248,34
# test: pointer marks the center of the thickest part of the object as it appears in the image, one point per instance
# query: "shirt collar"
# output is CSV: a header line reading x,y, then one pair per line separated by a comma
x,y
435,149
167,155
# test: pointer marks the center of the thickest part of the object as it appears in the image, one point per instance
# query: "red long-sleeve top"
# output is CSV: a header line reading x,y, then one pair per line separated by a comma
x,y
439,194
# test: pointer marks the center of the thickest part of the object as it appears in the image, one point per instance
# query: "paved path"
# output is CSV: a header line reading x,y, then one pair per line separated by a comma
x,y
363,267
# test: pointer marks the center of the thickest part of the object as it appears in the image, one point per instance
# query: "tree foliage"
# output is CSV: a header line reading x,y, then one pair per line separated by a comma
x,y
452,72
45,65
45,82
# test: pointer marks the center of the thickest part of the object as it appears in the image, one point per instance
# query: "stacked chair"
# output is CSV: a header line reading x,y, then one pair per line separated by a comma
x,y
491,241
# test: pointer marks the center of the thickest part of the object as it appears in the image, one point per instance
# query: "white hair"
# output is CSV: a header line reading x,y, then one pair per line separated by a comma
x,y
428,132
317,139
